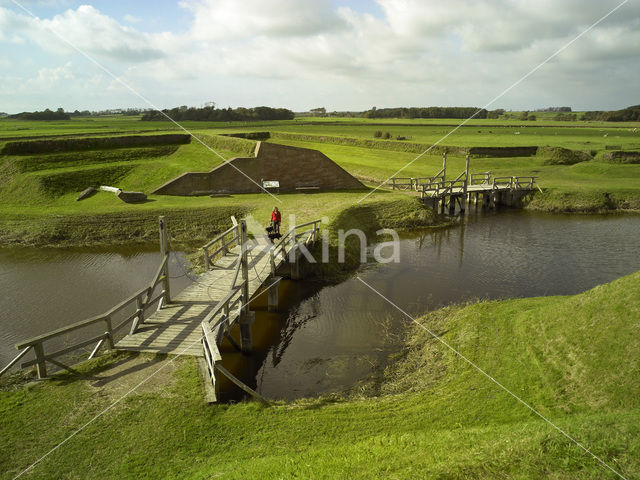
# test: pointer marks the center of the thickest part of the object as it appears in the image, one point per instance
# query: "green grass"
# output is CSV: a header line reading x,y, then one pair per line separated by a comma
x,y
574,359
39,190
429,415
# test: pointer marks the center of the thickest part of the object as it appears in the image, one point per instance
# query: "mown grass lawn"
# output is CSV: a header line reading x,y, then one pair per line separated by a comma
x,y
574,359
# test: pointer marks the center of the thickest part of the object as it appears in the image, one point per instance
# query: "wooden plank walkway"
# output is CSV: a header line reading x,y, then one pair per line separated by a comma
x,y
176,327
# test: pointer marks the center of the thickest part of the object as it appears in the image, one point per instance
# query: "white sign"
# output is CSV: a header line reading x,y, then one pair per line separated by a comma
x,y
270,184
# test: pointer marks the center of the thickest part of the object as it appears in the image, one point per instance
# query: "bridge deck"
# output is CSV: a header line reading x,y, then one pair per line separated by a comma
x,y
175,328
482,188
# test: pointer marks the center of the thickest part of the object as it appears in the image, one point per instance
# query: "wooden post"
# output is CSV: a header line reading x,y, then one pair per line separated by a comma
x,y
41,366
236,236
164,249
207,260
110,332
140,317
444,166
246,337
295,265
272,261
244,265
273,295
466,183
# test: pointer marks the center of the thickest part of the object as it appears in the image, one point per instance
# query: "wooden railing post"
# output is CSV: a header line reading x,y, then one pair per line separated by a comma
x,y
207,260
244,259
139,317
164,249
236,234
444,166
465,185
41,365
109,332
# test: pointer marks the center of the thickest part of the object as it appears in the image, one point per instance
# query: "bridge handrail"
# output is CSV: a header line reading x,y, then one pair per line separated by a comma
x,y
501,181
142,298
527,182
279,248
212,359
401,183
484,177
225,243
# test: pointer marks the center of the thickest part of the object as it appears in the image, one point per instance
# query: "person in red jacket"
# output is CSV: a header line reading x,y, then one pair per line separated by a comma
x,y
276,218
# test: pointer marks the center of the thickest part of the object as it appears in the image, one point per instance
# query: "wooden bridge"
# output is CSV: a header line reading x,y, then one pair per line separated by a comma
x,y
481,188
195,321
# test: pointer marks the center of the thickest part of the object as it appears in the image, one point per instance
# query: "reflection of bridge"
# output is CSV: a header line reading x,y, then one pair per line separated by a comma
x,y
480,188
195,321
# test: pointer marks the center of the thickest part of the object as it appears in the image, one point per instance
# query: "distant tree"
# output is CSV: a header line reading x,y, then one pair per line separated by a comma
x,y
321,111
47,114
425,112
213,114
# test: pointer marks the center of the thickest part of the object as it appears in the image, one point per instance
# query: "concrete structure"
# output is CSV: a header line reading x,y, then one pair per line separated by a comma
x,y
297,169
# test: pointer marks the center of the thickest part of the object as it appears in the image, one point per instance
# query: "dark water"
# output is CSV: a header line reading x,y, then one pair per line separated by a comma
x,y
44,289
335,335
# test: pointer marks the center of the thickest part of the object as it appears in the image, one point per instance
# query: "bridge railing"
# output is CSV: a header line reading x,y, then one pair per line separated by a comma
x,y
525,183
480,178
499,182
143,300
221,244
212,357
307,232
402,183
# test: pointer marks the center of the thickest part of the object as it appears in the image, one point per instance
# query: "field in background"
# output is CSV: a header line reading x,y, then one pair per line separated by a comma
x,y
41,186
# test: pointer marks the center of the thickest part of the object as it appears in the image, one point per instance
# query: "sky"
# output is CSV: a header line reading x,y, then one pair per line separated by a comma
x,y
303,54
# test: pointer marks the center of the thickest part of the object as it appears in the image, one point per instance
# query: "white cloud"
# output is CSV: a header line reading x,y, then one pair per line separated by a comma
x,y
300,54
131,19
89,30
215,19
49,78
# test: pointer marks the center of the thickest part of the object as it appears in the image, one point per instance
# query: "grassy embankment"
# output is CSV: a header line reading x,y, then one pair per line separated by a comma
x,y
573,358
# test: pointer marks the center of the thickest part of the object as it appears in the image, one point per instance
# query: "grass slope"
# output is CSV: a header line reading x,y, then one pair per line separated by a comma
x,y
574,359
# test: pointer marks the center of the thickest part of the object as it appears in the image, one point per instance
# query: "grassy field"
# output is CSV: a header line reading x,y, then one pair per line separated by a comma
x,y
430,415
40,186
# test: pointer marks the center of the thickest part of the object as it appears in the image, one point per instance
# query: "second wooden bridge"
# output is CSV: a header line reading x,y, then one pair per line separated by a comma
x,y
479,188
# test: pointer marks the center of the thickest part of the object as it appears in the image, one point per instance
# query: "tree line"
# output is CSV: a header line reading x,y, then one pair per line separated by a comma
x,y
213,114
629,114
425,112
46,114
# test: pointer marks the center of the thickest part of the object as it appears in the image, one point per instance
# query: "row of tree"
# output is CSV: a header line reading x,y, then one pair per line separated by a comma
x,y
554,109
629,114
213,114
425,112
46,114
